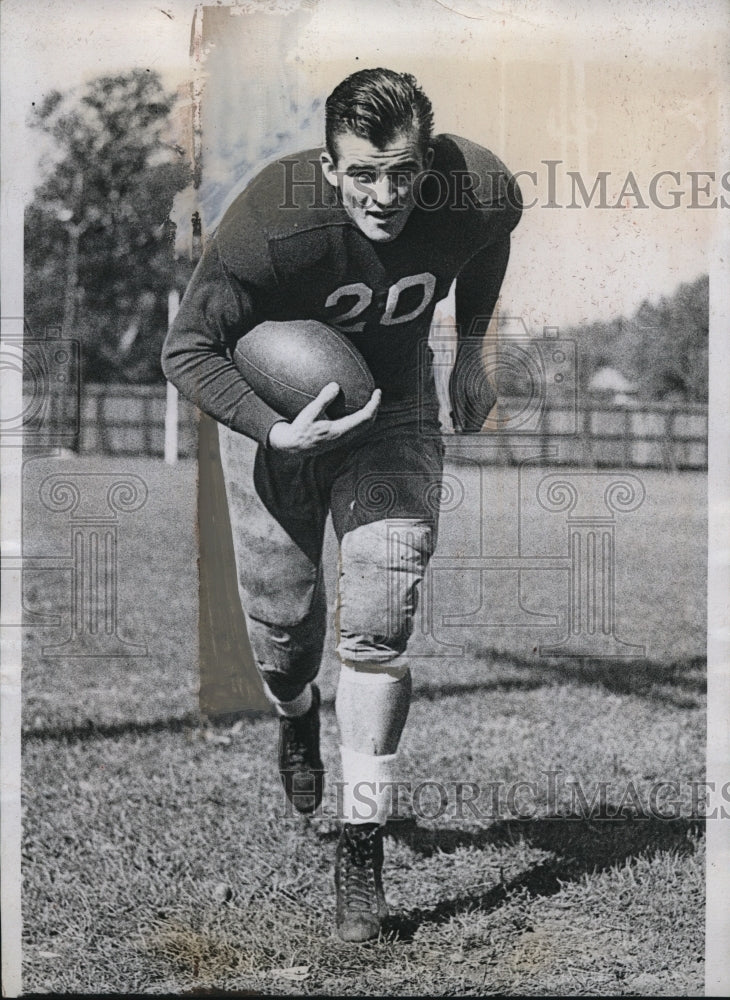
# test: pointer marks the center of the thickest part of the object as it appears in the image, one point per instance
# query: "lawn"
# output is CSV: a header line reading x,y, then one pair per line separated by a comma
x,y
158,853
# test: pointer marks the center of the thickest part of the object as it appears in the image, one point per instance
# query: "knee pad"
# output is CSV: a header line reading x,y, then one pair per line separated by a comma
x,y
381,567
293,652
284,649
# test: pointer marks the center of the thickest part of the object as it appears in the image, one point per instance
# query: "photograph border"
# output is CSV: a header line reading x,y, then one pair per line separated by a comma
x,y
14,35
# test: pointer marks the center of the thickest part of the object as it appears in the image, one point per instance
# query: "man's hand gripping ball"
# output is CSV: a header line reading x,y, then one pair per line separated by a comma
x,y
310,433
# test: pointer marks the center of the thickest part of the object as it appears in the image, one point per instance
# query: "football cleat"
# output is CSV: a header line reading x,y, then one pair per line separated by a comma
x,y
300,764
361,906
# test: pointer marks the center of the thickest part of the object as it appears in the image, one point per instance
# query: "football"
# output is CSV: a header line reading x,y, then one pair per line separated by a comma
x,y
288,363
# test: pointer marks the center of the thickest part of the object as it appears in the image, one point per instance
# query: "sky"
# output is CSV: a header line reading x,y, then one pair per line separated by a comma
x,y
620,88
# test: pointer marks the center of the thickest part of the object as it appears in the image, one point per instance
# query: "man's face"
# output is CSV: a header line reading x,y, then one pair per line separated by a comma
x,y
377,184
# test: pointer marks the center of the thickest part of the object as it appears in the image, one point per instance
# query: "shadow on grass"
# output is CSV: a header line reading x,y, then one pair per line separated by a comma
x,y
90,730
581,846
680,682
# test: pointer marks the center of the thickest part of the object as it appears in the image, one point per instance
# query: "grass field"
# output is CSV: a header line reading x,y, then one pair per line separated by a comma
x,y
158,856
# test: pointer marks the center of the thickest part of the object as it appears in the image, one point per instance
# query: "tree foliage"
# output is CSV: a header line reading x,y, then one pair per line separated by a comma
x,y
99,253
662,348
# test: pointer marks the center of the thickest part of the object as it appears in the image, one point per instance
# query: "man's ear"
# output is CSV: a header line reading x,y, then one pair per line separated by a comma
x,y
328,168
428,158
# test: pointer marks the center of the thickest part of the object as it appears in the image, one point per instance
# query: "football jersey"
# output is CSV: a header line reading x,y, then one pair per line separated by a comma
x,y
287,249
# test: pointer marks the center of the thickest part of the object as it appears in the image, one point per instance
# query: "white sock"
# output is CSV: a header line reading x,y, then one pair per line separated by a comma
x,y
363,672
367,791
297,706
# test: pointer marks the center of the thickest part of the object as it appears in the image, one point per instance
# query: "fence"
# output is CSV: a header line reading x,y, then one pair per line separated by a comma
x,y
129,420
599,433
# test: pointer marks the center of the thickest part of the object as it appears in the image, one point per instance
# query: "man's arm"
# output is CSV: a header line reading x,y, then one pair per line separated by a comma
x,y
471,390
215,312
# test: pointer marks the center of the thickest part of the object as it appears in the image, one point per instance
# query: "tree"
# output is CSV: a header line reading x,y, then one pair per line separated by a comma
x,y
669,348
663,348
99,246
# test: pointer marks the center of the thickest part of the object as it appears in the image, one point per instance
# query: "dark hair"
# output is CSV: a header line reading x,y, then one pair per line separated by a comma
x,y
377,105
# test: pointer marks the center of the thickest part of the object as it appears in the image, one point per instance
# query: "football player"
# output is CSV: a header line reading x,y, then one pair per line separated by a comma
x,y
366,235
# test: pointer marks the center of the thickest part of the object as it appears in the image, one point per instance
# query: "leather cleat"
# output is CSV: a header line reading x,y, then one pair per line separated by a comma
x,y
300,763
361,906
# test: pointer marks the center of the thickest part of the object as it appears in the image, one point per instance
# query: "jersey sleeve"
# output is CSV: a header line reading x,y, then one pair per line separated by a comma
x,y
485,194
495,210
218,308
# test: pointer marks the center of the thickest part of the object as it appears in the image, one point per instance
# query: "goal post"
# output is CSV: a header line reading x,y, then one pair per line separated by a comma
x,y
171,407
